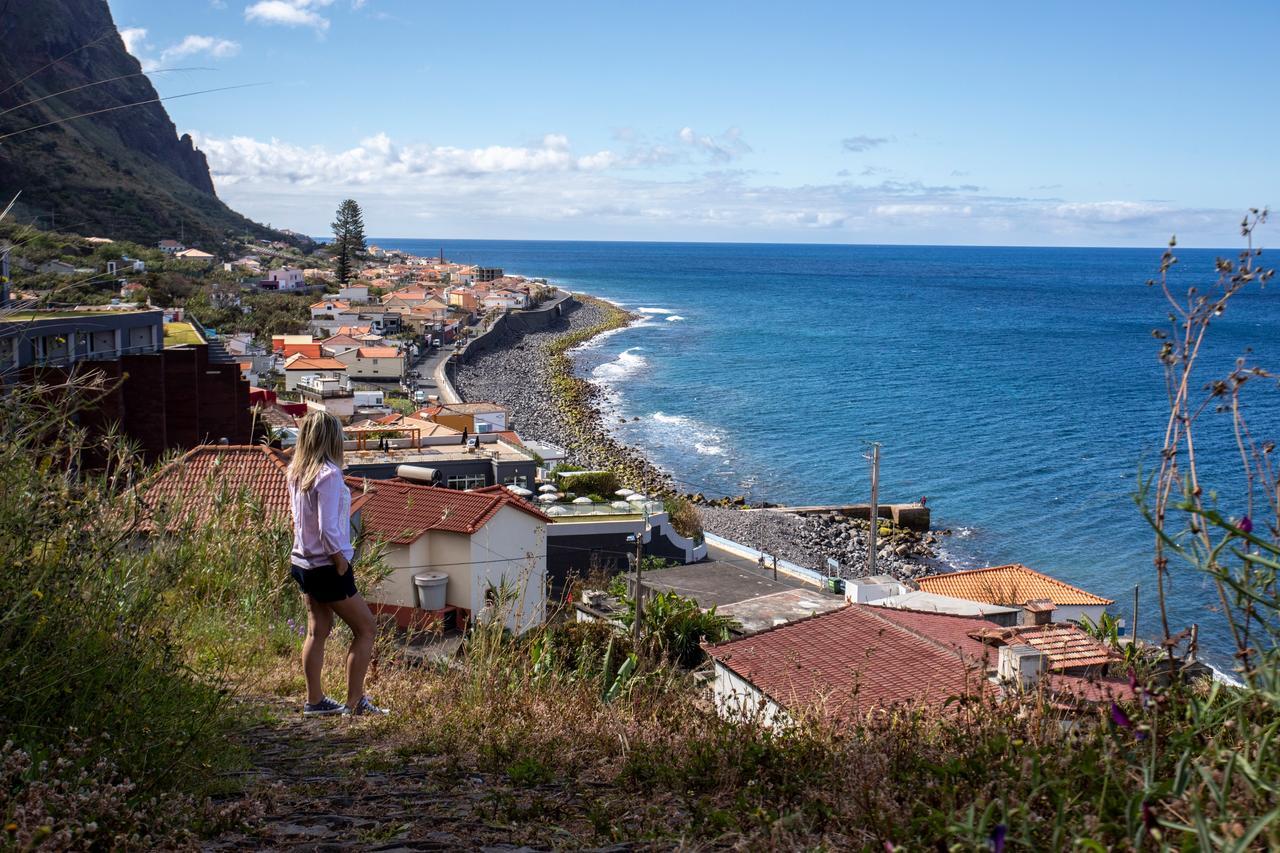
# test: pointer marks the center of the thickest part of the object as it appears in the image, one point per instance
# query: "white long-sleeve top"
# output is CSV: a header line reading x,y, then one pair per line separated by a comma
x,y
321,520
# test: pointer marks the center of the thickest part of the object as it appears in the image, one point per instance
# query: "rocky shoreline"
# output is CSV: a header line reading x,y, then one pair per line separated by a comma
x,y
810,540
532,375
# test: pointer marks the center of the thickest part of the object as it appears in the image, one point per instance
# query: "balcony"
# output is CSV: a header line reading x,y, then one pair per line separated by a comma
x,y
324,388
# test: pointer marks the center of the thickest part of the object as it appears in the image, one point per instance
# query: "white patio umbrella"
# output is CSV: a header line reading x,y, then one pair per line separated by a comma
x,y
519,490
620,505
624,493
636,498
547,498
547,488
583,500
558,510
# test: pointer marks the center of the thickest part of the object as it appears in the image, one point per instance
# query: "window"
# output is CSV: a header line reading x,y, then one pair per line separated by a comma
x,y
466,481
516,480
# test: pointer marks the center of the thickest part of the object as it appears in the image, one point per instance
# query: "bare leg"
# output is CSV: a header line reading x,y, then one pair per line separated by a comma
x,y
319,623
355,612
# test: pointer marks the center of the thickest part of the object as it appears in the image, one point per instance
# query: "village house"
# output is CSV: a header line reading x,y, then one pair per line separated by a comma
x,y
283,279
373,363
297,367
126,263
194,256
489,545
170,247
328,392
858,660
354,293
1016,585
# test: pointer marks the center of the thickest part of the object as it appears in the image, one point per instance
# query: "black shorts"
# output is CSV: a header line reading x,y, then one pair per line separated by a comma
x,y
324,584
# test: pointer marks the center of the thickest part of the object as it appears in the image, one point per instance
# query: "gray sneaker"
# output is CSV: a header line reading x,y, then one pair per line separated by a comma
x,y
364,706
325,707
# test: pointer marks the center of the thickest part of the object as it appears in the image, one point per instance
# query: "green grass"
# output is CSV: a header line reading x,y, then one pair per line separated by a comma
x,y
178,334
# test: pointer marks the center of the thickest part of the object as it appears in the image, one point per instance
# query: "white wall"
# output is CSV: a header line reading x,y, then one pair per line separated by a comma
x,y
1077,612
500,551
512,548
738,699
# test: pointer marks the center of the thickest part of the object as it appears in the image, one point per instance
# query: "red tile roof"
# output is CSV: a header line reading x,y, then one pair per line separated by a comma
x,y
400,512
849,661
196,485
306,350
1066,646
331,304
1013,584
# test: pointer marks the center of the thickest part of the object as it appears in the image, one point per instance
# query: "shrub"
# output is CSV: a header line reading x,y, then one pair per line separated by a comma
x,y
588,482
685,517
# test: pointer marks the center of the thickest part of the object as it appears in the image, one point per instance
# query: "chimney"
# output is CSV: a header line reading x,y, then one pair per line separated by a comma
x,y
1038,612
1021,666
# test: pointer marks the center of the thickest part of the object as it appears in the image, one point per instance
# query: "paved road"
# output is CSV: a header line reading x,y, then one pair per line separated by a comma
x,y
431,368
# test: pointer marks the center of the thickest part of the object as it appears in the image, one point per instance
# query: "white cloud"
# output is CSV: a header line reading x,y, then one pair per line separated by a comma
x,y
218,48
289,13
863,143
134,38
728,146
545,189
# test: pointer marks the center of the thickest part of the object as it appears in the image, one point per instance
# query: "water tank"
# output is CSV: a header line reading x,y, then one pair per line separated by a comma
x,y
429,590
417,473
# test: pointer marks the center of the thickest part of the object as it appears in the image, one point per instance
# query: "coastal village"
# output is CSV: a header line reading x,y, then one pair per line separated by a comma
x,y
488,497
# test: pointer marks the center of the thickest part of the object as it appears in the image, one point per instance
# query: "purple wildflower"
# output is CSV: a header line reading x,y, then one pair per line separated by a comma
x,y
1246,524
996,842
1119,717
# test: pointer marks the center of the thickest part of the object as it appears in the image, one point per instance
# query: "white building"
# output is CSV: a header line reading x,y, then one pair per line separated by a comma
x,y
284,279
491,545
373,362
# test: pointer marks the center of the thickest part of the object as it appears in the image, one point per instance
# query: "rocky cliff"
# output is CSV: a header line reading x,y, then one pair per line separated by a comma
x,y
122,173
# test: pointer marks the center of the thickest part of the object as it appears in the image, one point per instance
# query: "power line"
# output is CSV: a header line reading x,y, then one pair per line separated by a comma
x,y
105,34
126,106
99,83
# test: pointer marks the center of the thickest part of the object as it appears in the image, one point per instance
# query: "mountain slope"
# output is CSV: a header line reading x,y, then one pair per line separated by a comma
x,y
123,173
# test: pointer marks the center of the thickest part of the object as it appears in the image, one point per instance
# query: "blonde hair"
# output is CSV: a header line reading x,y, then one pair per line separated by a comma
x,y
319,441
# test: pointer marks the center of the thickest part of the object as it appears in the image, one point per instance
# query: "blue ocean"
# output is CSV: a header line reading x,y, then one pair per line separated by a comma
x,y
1017,388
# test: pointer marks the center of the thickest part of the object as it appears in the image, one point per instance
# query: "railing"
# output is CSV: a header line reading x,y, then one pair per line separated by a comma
x,y
101,355
572,510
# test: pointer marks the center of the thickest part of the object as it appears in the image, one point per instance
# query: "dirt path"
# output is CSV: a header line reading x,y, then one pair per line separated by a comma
x,y
324,784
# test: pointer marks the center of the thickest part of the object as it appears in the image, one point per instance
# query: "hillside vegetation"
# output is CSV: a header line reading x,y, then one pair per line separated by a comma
x,y
173,666
123,173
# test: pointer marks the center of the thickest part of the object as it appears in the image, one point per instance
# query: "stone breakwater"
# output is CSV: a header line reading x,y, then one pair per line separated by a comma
x,y
809,540
532,375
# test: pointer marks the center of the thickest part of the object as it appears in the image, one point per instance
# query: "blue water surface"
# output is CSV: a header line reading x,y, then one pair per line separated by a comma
x,y
1018,388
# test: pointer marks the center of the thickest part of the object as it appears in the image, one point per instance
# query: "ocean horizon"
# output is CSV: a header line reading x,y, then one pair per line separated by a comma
x,y
1017,388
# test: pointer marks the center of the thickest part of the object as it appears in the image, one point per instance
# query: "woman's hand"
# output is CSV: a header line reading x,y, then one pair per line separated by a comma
x,y
341,563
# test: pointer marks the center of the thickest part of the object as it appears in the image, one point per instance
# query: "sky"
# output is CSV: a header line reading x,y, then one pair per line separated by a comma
x,y
1073,124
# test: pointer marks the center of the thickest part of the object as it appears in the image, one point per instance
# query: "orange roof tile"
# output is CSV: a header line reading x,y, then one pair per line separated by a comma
x,y
1012,584
846,662
378,352
331,304
400,512
314,364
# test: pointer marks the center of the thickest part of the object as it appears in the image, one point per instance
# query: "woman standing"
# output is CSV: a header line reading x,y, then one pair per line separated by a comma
x,y
321,560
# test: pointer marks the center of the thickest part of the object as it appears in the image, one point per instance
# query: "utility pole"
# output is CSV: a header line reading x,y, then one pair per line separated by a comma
x,y
1133,630
875,507
635,626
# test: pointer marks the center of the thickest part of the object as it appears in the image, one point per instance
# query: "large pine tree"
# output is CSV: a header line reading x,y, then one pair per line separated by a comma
x,y
348,238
